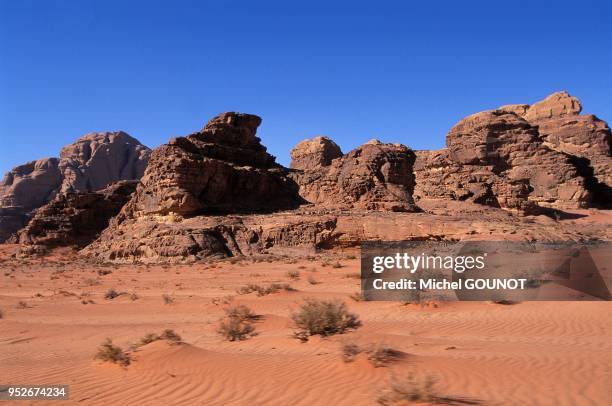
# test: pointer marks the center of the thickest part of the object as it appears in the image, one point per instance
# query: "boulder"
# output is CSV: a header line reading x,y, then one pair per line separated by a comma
x,y
314,153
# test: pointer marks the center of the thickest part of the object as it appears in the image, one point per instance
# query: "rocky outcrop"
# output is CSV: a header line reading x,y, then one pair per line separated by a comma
x,y
314,153
374,176
91,163
521,156
585,137
75,218
221,169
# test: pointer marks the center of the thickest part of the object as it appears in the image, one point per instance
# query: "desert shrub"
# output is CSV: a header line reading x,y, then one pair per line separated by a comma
x,y
104,272
169,335
337,265
167,299
264,290
1,314
412,389
323,317
419,389
236,325
382,355
350,351
111,294
134,296
241,312
293,274
108,352
91,282
233,329
22,304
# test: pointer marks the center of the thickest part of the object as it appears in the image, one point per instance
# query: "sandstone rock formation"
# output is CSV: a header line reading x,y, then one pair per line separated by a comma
x,y
75,218
564,129
314,153
221,169
374,176
521,157
91,163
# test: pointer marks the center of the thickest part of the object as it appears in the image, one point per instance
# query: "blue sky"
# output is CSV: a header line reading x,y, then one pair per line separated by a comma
x,y
353,70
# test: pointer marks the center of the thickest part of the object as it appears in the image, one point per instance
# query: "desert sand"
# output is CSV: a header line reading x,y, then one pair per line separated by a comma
x,y
530,353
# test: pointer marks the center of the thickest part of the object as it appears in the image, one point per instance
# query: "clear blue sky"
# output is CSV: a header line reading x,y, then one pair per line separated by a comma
x,y
354,70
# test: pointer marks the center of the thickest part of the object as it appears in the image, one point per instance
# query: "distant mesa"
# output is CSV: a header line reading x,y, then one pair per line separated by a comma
x,y
91,163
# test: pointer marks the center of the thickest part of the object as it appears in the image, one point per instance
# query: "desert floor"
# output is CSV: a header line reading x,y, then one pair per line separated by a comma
x,y
544,353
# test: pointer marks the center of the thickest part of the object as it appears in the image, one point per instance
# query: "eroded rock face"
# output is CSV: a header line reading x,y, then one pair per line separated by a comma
x,y
75,218
585,137
374,176
221,169
314,153
498,158
91,163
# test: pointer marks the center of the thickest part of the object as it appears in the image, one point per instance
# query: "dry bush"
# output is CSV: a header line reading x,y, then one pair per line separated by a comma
x,y
236,325
108,352
241,312
167,299
337,265
134,296
233,329
381,355
1,314
112,294
350,351
323,317
22,304
419,389
104,272
264,290
171,337
293,274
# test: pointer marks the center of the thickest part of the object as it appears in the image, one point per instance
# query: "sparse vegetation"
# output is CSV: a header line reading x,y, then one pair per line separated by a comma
x,y
323,317
236,325
1,314
91,282
379,355
293,274
418,389
264,290
134,296
167,299
350,351
22,304
112,294
108,352
168,335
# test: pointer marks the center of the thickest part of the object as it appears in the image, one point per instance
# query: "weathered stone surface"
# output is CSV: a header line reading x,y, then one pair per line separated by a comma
x,y
314,153
75,218
174,239
585,137
498,158
221,169
91,163
374,176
